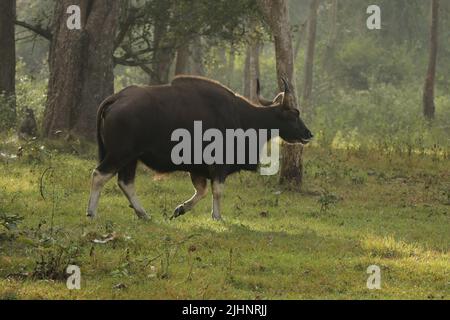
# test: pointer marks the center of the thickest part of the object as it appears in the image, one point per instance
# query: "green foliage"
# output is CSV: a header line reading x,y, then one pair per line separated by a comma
x,y
384,117
287,254
363,60
31,91
7,112
10,221
159,28
326,200
53,262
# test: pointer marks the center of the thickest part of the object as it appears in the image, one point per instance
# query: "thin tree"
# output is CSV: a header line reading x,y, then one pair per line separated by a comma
x,y
428,92
251,71
300,36
330,49
182,62
230,65
198,52
276,15
8,52
254,72
310,53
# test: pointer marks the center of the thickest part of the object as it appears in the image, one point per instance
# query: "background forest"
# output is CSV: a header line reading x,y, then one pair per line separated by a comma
x,y
372,188
367,85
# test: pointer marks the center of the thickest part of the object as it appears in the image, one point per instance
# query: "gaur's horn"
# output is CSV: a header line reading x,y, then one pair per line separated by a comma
x,y
262,101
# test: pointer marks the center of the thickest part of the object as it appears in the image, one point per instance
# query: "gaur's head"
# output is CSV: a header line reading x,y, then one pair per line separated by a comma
x,y
292,128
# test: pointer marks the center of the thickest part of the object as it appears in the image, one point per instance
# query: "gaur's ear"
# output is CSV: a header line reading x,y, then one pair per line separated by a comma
x,y
279,99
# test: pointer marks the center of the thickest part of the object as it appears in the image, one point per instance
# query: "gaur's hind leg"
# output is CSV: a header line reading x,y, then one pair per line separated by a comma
x,y
201,188
104,172
217,189
126,183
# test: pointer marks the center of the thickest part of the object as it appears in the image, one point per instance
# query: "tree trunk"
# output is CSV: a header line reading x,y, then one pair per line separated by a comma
x,y
330,49
300,36
230,66
182,64
161,67
428,95
81,67
8,53
251,70
277,15
309,62
246,87
198,66
162,56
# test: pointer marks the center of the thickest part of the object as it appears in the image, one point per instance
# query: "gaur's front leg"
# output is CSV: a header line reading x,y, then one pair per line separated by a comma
x,y
201,188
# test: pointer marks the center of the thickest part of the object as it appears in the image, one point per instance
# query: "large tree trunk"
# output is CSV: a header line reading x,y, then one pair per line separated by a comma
x,y
428,95
310,52
81,67
277,15
8,52
162,55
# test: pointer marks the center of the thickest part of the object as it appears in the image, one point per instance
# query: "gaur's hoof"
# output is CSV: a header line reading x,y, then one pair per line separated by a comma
x,y
179,211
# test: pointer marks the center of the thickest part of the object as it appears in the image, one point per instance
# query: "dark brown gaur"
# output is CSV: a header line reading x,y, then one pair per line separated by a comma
x,y
136,125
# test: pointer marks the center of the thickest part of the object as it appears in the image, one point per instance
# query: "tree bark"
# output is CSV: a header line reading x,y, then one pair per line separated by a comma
x,y
300,36
277,16
428,95
8,52
182,64
330,49
252,71
81,67
198,66
230,66
162,56
309,61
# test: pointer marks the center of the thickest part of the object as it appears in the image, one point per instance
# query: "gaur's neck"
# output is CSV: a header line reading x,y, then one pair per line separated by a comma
x,y
258,117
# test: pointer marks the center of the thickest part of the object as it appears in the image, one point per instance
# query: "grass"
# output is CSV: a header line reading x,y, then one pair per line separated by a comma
x,y
357,209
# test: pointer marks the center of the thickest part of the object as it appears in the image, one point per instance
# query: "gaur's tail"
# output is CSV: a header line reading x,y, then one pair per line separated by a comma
x,y
100,116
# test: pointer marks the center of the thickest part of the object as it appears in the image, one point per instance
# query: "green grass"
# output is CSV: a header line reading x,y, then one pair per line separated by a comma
x,y
356,209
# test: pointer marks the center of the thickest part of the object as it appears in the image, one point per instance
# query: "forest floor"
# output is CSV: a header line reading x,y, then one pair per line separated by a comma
x,y
356,209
